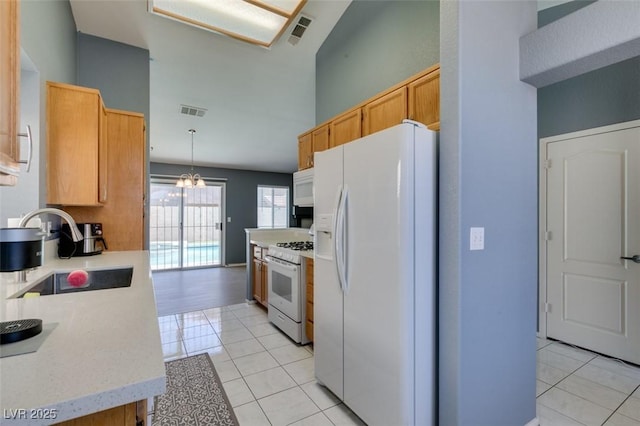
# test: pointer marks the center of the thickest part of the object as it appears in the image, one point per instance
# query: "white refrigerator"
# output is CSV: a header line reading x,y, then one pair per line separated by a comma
x,y
374,274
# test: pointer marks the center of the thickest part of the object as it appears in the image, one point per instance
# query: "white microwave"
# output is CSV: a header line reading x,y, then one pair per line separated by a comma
x,y
303,188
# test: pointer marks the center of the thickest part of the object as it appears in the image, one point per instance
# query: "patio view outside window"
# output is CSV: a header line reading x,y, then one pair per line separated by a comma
x,y
185,225
273,207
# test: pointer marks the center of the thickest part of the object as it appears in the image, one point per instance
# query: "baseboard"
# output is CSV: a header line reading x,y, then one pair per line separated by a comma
x,y
234,265
534,422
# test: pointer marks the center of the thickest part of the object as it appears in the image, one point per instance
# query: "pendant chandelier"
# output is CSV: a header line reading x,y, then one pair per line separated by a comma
x,y
190,180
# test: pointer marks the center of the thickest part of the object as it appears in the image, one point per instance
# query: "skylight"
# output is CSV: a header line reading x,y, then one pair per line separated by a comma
x,y
259,22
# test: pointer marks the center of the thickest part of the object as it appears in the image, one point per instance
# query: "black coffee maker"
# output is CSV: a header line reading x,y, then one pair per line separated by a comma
x,y
93,242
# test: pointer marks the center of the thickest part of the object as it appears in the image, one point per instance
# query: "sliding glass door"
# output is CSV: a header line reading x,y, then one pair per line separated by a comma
x,y
186,226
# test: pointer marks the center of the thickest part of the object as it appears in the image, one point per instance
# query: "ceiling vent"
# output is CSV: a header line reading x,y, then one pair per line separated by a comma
x,y
299,29
193,111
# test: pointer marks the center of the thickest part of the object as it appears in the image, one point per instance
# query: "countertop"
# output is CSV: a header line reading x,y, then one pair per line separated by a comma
x,y
104,352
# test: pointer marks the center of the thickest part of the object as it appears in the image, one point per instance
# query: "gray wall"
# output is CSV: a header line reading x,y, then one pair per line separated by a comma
x,y
48,41
605,96
374,45
242,199
121,73
488,178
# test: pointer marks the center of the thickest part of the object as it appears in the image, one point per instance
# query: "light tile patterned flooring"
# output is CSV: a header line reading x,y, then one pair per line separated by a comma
x,y
577,387
268,378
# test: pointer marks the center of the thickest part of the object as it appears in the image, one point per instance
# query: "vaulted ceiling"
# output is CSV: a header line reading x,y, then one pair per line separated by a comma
x,y
257,100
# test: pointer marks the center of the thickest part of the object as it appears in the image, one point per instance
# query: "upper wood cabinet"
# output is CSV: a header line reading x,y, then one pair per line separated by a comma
x,y
416,98
346,127
320,139
75,136
385,111
126,159
309,143
424,100
9,91
305,151
124,209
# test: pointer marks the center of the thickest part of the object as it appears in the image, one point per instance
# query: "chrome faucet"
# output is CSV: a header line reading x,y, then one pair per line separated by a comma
x,y
76,235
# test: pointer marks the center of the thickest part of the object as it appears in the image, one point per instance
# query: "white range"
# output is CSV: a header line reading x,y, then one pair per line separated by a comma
x,y
287,289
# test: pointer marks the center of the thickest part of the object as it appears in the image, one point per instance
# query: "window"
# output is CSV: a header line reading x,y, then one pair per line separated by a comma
x,y
273,207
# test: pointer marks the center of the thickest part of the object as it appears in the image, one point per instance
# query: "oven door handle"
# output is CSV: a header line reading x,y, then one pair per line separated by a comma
x,y
280,264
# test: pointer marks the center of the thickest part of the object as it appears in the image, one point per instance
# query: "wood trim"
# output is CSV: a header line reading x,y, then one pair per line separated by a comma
x,y
291,18
277,10
231,34
124,415
124,112
73,87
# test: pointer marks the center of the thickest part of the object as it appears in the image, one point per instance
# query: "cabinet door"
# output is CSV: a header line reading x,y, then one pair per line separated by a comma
x,y
424,100
309,282
123,415
305,151
73,134
9,91
384,112
125,141
103,155
346,127
257,280
265,283
126,159
321,138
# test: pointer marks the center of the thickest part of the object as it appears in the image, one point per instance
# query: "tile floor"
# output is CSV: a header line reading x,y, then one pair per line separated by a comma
x,y
577,387
270,381
268,378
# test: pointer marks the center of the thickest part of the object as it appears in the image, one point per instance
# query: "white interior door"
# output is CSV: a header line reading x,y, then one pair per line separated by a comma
x,y
593,220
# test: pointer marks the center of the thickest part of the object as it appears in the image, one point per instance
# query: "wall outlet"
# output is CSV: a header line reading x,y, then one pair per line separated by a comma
x,y
476,239
229,219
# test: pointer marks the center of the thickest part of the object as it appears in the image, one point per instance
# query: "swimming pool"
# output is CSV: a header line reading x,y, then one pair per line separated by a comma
x,y
166,255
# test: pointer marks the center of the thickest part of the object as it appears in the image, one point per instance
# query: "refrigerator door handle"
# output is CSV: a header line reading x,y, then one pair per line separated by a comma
x,y
337,232
345,238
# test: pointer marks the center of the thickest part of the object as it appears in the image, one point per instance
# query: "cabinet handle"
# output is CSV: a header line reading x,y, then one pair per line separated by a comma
x,y
30,152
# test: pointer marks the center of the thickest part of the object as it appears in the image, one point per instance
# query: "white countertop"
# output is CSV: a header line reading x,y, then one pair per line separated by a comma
x,y
264,237
104,352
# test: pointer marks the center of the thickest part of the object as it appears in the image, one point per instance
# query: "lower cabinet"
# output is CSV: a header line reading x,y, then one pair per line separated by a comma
x,y
260,276
132,414
309,285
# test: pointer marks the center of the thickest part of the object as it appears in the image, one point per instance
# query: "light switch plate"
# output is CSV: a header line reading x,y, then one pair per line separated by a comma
x,y
476,239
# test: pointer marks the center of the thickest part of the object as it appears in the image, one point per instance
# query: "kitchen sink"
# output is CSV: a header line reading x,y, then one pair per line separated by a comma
x,y
99,279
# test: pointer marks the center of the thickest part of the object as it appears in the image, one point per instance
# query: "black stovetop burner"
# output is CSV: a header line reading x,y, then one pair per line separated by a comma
x,y
297,245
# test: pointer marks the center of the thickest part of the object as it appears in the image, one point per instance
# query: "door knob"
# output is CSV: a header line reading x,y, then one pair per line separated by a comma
x,y
635,258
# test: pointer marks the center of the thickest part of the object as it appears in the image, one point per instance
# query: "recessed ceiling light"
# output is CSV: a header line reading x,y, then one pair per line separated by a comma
x,y
259,22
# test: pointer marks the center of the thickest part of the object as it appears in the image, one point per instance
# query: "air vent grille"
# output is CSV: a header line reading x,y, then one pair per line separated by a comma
x,y
299,29
192,110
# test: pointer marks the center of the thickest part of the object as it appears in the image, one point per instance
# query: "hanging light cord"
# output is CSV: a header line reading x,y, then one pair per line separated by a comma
x,y
190,180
